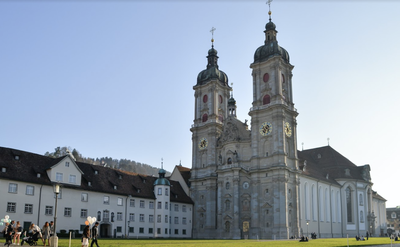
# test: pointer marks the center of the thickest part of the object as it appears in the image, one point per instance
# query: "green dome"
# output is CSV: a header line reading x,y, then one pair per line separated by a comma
x,y
212,71
161,180
270,47
231,101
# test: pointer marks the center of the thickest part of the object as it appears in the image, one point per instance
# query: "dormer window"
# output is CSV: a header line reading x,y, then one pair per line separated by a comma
x,y
96,172
89,183
115,187
120,177
347,172
16,157
38,175
3,169
319,156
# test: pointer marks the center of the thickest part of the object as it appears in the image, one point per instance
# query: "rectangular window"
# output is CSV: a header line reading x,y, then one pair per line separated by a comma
x,y
30,190
132,202
141,230
166,205
150,230
119,201
59,177
159,205
141,203
176,220
28,208
106,200
131,230
11,207
166,218
184,232
151,205
84,213
166,191
159,218
48,210
176,206
119,215
72,179
176,231
141,217
12,188
84,197
183,208
166,231
119,229
66,164
67,212
158,230
151,218
183,221
159,191
132,217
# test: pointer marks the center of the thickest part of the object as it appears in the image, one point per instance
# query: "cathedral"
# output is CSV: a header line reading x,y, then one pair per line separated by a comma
x,y
249,180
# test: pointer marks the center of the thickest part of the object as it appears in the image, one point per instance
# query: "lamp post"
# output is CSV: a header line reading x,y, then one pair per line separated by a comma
x,y
55,238
307,228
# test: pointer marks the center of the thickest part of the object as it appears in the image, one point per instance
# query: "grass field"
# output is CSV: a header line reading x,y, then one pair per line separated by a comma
x,y
230,243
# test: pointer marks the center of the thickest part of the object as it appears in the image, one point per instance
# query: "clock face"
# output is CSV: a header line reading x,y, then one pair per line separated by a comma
x,y
265,128
288,129
203,143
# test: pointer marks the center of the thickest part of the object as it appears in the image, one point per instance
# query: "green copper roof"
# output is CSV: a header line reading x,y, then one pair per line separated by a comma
x,y
212,71
161,180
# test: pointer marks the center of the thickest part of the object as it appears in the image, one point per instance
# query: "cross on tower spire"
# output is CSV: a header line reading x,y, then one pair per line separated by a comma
x,y
212,35
269,8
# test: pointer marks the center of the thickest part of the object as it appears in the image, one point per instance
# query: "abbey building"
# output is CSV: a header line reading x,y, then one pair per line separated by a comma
x,y
250,180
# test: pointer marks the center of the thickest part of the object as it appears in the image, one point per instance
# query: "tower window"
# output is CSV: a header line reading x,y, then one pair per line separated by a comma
x,y
266,99
205,98
283,78
205,117
266,77
220,99
229,160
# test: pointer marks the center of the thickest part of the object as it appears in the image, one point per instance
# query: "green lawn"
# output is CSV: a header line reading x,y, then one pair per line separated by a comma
x,y
230,243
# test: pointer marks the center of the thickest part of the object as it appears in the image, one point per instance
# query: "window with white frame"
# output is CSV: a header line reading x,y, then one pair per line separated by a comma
x,y
67,212
141,203
83,213
119,228
119,215
166,219
166,205
67,164
159,218
141,217
159,205
184,221
11,207
72,179
183,208
48,210
119,201
393,215
28,208
166,192
151,218
106,200
176,206
132,202
12,188
84,197
132,217
176,220
159,191
151,205
59,177
30,190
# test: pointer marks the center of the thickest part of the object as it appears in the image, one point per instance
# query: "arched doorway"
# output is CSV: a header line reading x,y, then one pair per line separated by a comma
x,y
105,230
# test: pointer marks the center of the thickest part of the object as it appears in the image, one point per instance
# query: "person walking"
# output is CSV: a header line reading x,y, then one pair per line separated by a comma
x,y
9,231
17,233
95,233
46,233
86,236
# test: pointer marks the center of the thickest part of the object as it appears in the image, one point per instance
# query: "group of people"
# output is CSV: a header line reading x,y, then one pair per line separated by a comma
x,y
12,232
87,235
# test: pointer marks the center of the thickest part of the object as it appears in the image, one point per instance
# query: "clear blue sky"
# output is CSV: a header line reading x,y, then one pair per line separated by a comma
x,y
115,78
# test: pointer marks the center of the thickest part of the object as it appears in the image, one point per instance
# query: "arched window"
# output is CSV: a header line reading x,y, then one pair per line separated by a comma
x,y
227,226
266,99
229,160
349,205
205,98
327,209
306,202
314,202
227,185
98,215
361,200
205,117
321,201
338,208
333,209
361,216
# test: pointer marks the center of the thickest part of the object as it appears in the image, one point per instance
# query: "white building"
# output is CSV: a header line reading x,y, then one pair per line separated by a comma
x,y
124,203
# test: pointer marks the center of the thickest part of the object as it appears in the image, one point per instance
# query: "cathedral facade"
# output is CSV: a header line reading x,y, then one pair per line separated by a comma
x,y
251,181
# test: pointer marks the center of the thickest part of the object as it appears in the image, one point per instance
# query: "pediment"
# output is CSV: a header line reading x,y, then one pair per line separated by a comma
x,y
228,217
267,205
228,196
201,209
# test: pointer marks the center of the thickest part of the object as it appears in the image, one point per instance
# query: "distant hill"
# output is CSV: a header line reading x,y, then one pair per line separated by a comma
x,y
122,164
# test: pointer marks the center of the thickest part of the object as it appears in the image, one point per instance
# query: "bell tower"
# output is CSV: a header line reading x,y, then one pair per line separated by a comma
x,y
211,108
273,135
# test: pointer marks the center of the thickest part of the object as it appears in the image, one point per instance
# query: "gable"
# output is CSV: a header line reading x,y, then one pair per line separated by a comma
x,y
65,171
